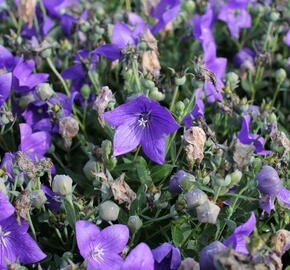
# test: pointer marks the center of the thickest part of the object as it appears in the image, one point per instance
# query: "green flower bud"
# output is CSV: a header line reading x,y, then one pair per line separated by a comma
x,y
272,118
280,75
86,91
44,91
257,164
46,53
179,107
111,163
25,100
62,184
128,75
189,6
258,9
220,181
109,211
143,46
232,80
38,198
236,177
99,30
90,168
106,148
180,81
100,12
156,95
274,16
149,84
134,223
85,27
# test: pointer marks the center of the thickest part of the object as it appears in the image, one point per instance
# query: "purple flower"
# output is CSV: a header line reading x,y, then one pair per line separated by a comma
x,y
17,244
287,38
198,110
235,14
237,238
269,185
140,258
6,208
34,145
166,257
246,137
207,255
244,56
122,35
6,164
176,180
55,7
164,12
53,198
268,181
23,79
141,121
101,248
5,87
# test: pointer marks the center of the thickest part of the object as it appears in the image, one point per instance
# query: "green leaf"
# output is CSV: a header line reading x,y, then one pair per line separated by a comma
x,y
231,224
139,202
143,174
160,172
177,236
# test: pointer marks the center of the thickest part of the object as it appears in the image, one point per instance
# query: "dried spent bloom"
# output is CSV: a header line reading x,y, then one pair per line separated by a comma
x,y
208,253
189,264
196,138
23,205
141,121
242,153
25,164
101,248
237,238
26,10
281,242
101,103
122,192
166,256
151,63
268,181
140,258
207,212
16,244
68,128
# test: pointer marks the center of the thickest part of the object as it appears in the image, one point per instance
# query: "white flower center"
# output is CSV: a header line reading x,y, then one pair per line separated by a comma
x,y
144,118
98,253
3,236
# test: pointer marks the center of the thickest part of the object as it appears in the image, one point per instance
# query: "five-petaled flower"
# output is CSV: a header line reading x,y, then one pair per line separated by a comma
x,y
141,121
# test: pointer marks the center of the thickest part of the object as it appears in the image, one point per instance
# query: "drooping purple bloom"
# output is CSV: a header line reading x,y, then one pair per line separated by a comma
x,y
207,255
55,7
287,38
235,14
284,197
243,57
17,244
34,145
101,248
166,257
23,79
140,258
164,12
176,181
237,238
141,121
5,86
6,208
198,110
53,198
246,137
266,202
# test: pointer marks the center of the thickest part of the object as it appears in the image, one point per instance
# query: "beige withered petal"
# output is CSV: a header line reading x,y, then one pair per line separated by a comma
x,y
281,241
101,102
68,128
26,10
242,153
189,264
148,5
151,63
122,192
196,138
150,40
22,205
25,164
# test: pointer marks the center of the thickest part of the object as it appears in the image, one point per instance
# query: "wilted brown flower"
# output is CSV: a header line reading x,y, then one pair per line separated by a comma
x,y
25,164
26,10
242,153
151,63
101,102
22,205
148,5
281,242
189,264
195,137
68,128
150,40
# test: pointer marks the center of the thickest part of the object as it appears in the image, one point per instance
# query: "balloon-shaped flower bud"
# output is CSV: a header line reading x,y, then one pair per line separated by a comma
x,y
176,181
268,181
44,91
62,184
195,197
207,212
38,198
109,211
207,255
134,223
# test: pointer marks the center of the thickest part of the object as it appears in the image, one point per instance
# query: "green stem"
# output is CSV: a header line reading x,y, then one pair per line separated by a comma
x,y
277,90
148,223
136,76
31,227
174,98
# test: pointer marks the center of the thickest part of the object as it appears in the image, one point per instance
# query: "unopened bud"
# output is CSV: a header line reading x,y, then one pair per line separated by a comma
x,y
207,212
44,91
155,94
86,91
274,16
109,211
134,223
189,6
179,107
106,148
180,81
62,184
236,177
38,198
280,75
149,84
90,168
195,198
272,118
